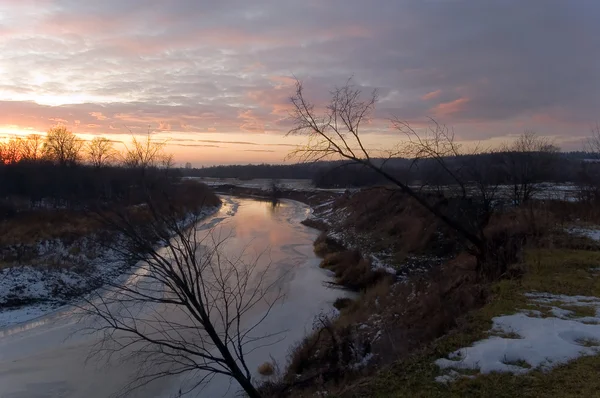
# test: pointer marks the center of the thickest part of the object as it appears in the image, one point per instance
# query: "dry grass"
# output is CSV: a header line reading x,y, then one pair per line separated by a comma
x,y
342,303
567,212
324,245
557,271
404,318
266,369
31,226
352,271
391,220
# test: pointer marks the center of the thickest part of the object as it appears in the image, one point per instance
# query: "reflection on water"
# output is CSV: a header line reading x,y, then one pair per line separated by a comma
x,y
262,223
38,353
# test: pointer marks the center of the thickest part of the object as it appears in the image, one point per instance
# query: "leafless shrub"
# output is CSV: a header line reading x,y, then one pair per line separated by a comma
x,y
101,152
526,161
62,146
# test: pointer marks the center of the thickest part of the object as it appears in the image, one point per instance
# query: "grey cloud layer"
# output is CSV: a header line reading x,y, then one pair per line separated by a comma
x,y
193,65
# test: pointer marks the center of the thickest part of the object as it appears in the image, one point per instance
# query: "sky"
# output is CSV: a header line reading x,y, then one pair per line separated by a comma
x,y
215,77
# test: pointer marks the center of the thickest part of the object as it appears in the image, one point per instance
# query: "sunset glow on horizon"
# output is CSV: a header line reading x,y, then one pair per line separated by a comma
x,y
213,79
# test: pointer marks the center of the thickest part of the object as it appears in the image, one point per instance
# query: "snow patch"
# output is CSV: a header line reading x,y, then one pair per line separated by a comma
x,y
58,273
591,233
543,343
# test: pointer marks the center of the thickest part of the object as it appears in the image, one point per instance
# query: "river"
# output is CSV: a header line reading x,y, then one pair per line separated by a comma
x,y
49,356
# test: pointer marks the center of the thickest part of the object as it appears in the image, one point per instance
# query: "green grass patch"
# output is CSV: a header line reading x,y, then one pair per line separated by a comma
x,y
575,379
555,271
520,363
579,311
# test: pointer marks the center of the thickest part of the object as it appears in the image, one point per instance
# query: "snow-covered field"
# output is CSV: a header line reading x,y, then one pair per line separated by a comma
x,y
59,273
534,341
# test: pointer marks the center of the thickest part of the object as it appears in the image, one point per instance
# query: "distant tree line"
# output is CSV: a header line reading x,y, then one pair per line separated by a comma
x,y
252,171
566,167
62,170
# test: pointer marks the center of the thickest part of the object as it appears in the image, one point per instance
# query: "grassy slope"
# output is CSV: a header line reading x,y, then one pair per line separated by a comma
x,y
558,271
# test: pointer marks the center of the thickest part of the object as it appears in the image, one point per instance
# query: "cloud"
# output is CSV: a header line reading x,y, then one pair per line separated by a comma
x,y
449,108
98,115
228,67
431,95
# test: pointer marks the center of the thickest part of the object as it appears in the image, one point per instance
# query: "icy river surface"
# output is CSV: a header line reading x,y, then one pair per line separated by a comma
x,y
49,356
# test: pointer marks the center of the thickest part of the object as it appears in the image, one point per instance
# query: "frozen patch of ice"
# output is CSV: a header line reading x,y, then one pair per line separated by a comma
x,y
593,234
543,343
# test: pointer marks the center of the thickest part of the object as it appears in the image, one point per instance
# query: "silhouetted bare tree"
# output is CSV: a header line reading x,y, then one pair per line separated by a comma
x,y
100,152
62,146
10,152
32,147
336,133
187,306
592,144
145,153
468,174
589,175
526,161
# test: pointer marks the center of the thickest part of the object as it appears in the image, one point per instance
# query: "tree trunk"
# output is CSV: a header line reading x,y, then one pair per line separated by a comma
x,y
232,364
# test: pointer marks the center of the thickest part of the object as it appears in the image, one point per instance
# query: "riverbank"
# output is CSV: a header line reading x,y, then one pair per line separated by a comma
x,y
403,326
50,257
536,335
48,352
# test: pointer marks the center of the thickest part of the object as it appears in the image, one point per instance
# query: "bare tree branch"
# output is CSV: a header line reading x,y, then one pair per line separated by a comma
x,y
186,306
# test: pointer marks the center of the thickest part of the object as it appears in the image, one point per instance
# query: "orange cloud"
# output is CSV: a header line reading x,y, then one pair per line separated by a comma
x,y
431,95
282,82
250,122
98,115
164,126
452,107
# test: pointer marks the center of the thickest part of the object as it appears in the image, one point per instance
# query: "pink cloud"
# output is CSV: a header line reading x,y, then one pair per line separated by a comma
x,y
451,107
98,115
431,95
251,123
164,126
